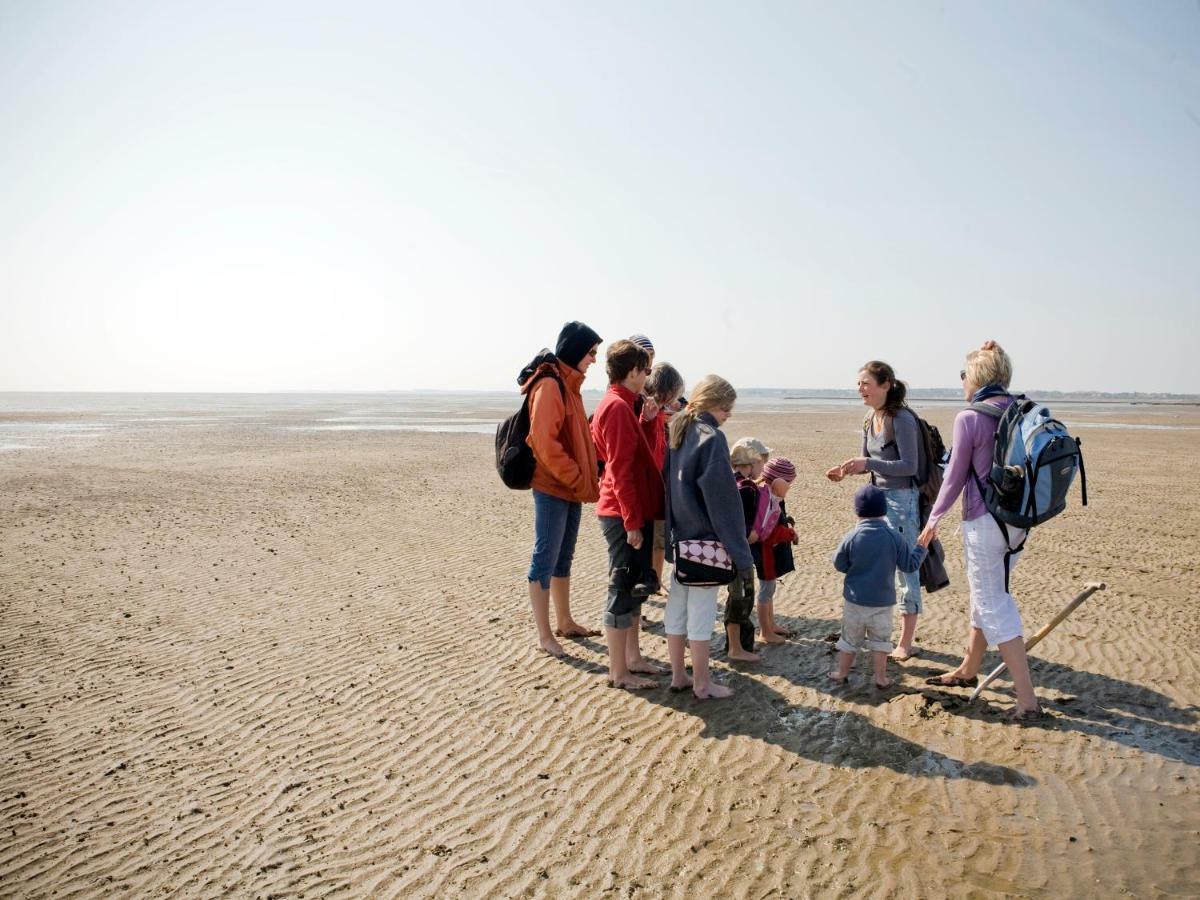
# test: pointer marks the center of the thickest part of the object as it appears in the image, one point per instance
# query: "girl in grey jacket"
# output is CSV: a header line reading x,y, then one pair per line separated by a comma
x,y
702,504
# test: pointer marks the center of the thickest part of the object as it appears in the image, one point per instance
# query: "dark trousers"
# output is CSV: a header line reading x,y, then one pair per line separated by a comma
x,y
626,567
739,603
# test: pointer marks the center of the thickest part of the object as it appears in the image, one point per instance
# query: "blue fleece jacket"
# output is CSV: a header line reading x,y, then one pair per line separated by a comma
x,y
868,556
702,495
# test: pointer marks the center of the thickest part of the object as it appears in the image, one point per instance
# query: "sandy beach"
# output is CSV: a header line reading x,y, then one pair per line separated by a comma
x,y
242,656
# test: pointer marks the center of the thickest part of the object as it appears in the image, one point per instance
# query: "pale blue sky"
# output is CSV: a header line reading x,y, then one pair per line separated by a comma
x,y
272,196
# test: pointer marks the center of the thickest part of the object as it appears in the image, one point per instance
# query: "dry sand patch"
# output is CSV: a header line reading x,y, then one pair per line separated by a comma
x,y
265,662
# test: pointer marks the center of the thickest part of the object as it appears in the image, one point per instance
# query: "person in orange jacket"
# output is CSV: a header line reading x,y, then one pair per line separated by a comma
x,y
565,477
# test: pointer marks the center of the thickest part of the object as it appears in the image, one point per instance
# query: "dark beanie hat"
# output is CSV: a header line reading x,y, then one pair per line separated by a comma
x,y
869,502
574,341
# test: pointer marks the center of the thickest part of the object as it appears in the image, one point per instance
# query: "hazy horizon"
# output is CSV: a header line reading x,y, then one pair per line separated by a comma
x,y
383,196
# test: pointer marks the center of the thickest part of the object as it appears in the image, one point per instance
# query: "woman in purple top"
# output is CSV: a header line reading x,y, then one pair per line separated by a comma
x,y
890,455
995,619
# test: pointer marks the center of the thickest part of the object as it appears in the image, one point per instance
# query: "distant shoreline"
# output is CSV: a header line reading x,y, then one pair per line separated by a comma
x,y
922,394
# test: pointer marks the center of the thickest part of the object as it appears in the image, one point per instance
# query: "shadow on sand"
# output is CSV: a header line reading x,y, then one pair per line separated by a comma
x,y
841,738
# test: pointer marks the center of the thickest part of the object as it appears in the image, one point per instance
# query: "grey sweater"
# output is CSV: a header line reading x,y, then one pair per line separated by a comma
x,y
702,496
892,454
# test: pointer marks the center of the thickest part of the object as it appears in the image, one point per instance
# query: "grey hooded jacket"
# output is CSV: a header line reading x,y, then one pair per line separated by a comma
x,y
702,497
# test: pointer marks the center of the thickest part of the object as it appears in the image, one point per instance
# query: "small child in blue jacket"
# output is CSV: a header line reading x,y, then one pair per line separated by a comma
x,y
869,556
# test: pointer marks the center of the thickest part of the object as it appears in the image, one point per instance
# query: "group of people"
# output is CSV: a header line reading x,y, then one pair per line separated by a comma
x,y
666,482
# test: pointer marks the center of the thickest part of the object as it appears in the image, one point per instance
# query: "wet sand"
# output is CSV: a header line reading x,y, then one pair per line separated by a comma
x,y
236,658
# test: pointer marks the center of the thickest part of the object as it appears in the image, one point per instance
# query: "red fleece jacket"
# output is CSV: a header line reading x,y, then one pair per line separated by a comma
x,y
632,486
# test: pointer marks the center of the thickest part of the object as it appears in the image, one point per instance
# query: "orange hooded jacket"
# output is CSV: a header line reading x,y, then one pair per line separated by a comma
x,y
560,437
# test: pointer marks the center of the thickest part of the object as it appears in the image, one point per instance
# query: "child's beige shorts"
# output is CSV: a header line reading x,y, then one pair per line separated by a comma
x,y
866,628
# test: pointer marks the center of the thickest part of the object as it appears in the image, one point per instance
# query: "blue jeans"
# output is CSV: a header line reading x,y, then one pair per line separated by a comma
x,y
903,515
555,530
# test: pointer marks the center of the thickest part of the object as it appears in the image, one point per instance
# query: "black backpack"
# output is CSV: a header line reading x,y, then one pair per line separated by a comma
x,y
514,457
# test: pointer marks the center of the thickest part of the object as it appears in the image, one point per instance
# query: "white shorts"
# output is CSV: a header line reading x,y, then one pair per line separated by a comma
x,y
691,610
866,628
993,609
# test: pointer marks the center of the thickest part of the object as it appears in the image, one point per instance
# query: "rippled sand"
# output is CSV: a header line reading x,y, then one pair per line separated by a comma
x,y
239,658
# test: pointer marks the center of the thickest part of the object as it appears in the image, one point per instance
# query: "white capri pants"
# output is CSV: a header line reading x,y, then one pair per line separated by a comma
x,y
691,610
993,609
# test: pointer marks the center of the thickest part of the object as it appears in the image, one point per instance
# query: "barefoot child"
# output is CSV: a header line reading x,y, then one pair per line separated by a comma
x,y
868,556
773,552
739,602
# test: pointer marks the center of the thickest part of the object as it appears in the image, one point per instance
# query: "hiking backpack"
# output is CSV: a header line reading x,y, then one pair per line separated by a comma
x,y
514,457
1033,468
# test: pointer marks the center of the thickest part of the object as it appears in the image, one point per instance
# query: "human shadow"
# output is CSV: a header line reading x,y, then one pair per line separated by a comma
x,y
1091,703
836,737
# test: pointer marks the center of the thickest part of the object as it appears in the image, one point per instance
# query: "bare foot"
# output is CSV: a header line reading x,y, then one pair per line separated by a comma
x,y
783,632
632,683
904,654
552,647
885,684
647,667
772,638
713,692
741,655
683,685
575,630
837,679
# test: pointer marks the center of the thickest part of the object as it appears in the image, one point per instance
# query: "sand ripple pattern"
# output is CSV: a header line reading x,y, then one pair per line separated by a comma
x,y
257,662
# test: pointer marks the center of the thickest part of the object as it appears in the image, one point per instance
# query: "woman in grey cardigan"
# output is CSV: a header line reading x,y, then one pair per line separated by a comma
x,y
890,448
702,504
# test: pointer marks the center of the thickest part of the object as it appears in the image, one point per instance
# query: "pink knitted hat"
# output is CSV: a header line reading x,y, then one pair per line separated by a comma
x,y
779,467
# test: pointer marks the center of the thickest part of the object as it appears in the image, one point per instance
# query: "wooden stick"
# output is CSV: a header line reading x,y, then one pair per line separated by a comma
x,y
1088,589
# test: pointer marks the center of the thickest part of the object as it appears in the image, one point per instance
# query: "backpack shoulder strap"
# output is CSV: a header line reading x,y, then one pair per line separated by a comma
x,y
988,409
549,373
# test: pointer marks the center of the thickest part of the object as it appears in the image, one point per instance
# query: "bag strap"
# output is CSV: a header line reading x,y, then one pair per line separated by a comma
x,y
1082,473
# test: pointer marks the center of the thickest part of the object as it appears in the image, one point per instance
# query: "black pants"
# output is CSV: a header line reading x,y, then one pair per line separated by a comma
x,y
626,567
739,603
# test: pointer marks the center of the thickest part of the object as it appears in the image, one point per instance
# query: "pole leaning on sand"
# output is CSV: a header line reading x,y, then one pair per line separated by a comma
x,y
1088,589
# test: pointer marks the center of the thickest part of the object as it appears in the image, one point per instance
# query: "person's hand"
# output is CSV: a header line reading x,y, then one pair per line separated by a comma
x,y
634,539
856,465
927,536
752,537
835,474
649,409
795,540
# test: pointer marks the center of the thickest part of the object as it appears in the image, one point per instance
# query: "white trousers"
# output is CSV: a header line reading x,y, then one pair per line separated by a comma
x,y
691,610
993,609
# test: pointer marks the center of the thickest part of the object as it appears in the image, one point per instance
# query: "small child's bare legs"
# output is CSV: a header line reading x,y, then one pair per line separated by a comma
x,y
845,662
879,663
771,633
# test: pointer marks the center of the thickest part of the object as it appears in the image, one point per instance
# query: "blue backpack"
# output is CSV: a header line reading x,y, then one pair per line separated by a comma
x,y
1033,468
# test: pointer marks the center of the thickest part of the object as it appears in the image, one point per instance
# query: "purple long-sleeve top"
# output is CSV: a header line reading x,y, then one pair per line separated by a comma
x,y
973,443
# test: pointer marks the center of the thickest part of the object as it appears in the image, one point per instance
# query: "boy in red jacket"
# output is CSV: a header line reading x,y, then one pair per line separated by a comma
x,y
631,498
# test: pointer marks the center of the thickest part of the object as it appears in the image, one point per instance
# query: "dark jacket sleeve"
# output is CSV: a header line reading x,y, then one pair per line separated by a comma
x,y
841,557
721,500
748,493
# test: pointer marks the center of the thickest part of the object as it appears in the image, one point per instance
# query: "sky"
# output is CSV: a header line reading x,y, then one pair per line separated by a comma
x,y
263,196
